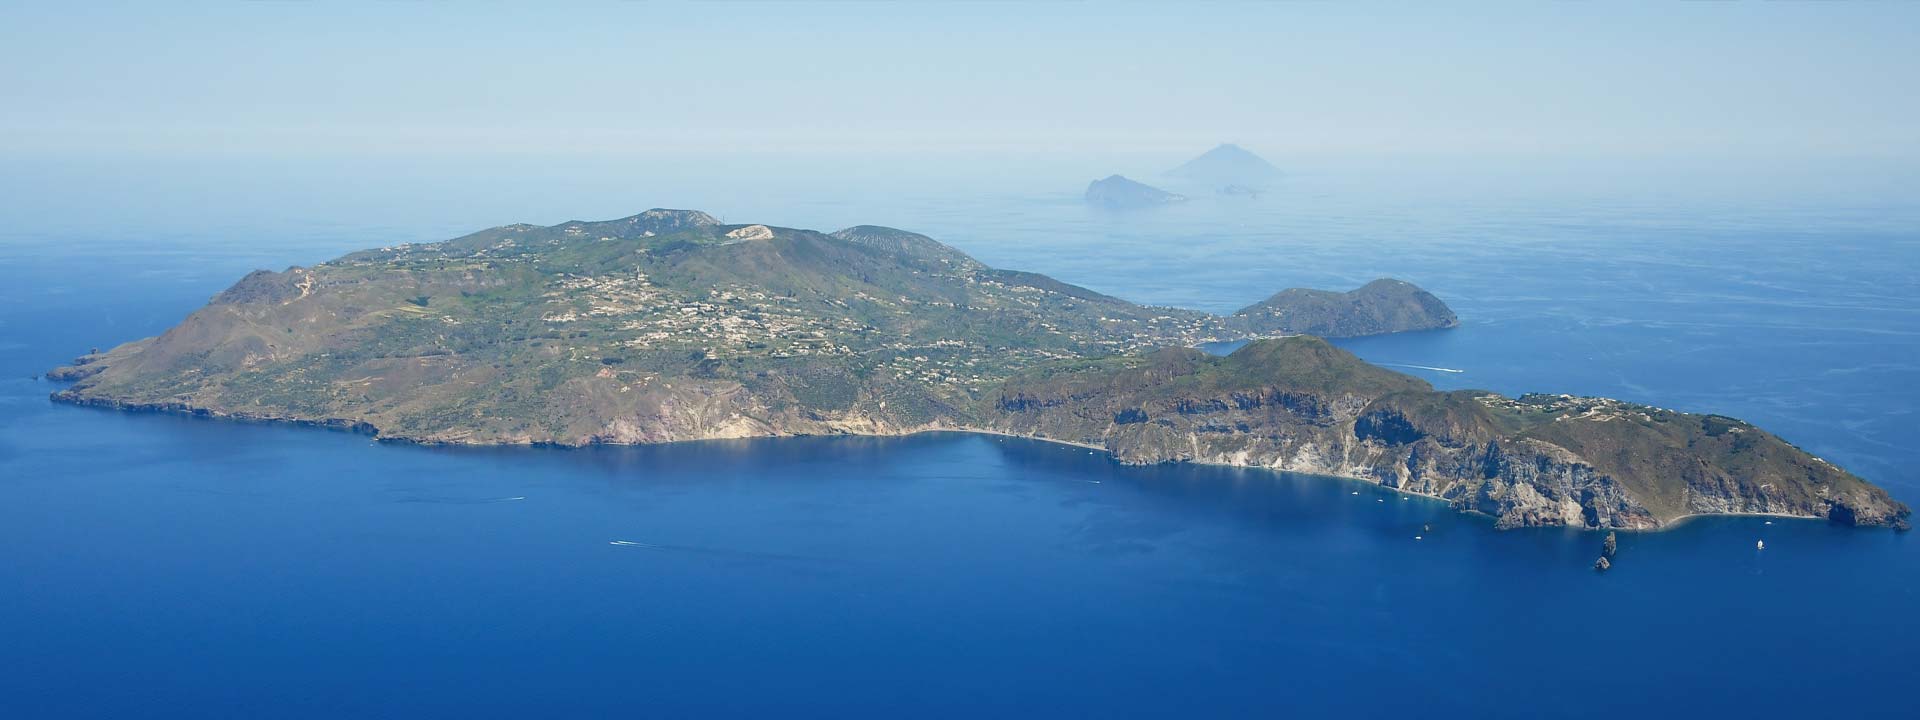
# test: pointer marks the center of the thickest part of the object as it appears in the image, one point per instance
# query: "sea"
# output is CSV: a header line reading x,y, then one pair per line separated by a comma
x,y
159,566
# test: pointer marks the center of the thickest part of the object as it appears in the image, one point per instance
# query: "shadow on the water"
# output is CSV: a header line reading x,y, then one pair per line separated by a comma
x,y
702,459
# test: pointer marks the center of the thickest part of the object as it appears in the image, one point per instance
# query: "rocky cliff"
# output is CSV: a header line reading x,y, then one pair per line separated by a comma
x,y
1303,405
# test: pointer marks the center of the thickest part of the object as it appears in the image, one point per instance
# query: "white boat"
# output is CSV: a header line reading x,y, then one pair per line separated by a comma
x,y
1760,545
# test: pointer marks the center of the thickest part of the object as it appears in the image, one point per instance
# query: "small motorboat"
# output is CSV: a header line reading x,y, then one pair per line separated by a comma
x,y
1760,545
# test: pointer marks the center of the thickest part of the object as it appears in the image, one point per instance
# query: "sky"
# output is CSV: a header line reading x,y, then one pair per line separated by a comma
x,y
1733,79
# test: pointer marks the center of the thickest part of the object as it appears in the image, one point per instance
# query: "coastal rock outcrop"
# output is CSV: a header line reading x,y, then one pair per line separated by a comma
x,y
1300,404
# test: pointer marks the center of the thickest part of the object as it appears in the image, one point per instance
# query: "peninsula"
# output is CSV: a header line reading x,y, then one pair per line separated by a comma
x,y
670,325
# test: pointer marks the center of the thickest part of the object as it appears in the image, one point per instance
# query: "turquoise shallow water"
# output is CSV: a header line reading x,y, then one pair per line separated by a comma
x,y
165,566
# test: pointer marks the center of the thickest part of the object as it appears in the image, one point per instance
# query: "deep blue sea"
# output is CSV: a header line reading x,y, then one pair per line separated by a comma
x,y
160,566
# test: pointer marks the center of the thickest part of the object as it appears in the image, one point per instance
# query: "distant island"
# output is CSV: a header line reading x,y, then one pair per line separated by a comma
x,y
1377,308
670,325
1116,192
1229,169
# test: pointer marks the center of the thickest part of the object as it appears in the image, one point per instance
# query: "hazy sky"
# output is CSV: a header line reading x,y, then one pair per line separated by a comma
x,y
1792,79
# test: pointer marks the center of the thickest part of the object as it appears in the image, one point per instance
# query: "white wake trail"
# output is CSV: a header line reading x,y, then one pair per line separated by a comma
x,y
1422,367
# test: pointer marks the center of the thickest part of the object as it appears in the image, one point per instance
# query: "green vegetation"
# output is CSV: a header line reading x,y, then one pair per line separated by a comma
x,y
1299,403
1381,306
669,325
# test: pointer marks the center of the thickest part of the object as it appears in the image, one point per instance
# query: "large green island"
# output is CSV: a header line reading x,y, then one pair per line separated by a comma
x,y
670,326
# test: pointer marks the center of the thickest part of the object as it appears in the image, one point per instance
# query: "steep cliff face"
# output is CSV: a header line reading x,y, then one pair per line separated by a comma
x,y
1303,405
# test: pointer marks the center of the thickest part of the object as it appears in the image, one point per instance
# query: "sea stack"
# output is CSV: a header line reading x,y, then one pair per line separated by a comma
x,y
1608,547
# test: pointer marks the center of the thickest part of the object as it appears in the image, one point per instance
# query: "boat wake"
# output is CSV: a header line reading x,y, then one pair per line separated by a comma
x,y
459,500
1422,367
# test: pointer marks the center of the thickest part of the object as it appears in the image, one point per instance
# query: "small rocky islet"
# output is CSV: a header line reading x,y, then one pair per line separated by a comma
x,y
1608,548
670,325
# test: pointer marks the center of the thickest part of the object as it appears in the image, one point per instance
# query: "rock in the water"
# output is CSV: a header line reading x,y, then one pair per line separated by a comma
x,y
1610,546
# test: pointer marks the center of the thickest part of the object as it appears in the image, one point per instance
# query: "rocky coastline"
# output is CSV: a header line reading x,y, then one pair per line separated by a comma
x,y
671,326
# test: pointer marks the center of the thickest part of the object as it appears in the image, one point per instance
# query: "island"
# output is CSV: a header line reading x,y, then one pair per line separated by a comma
x,y
1376,308
1116,192
1229,169
671,325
